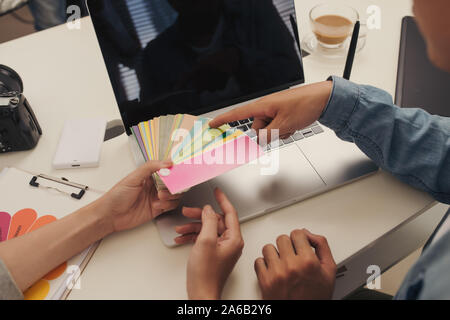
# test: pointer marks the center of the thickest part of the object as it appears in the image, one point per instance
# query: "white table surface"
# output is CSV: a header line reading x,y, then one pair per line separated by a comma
x,y
65,78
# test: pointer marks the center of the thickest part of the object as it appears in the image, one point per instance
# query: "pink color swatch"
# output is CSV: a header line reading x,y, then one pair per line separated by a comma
x,y
5,220
197,170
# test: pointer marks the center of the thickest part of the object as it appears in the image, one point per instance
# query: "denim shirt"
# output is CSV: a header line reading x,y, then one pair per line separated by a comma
x,y
412,145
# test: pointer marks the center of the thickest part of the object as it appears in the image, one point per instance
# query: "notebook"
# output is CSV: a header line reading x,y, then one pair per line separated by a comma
x,y
31,201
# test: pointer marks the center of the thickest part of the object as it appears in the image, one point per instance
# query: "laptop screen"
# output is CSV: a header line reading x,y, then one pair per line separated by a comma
x,y
195,56
420,84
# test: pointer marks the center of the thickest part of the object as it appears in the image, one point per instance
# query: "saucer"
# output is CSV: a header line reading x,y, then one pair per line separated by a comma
x,y
312,46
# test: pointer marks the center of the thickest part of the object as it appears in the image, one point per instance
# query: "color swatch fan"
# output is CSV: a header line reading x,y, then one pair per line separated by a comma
x,y
199,152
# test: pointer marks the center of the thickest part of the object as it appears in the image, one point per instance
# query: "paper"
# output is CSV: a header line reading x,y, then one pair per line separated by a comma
x,y
24,209
199,153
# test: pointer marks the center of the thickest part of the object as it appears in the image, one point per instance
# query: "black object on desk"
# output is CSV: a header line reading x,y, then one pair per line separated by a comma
x,y
19,128
352,51
419,83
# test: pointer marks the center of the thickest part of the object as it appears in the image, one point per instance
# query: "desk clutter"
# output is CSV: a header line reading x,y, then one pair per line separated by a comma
x,y
199,152
19,128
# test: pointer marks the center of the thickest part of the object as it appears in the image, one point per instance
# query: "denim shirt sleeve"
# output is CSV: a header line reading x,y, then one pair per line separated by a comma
x,y
411,144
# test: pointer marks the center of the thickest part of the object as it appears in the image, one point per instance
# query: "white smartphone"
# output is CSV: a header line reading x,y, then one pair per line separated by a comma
x,y
80,144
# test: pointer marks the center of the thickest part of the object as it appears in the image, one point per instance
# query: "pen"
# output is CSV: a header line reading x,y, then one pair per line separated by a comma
x,y
352,51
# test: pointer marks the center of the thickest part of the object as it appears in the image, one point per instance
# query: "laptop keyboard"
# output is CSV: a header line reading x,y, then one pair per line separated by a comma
x,y
310,131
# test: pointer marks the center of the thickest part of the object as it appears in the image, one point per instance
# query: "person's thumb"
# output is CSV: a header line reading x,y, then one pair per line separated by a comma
x,y
147,169
209,225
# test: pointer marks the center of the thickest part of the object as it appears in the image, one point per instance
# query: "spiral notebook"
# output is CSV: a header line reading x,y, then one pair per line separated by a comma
x,y
30,201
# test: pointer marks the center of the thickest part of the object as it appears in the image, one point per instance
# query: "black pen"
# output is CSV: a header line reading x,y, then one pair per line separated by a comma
x,y
352,51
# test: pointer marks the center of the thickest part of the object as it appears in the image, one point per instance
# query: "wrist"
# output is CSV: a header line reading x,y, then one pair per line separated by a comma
x,y
327,87
98,215
204,294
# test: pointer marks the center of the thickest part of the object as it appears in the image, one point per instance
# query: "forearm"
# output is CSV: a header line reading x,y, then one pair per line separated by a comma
x,y
33,255
409,143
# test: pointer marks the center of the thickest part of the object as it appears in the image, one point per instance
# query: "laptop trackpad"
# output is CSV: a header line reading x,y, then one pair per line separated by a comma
x,y
263,185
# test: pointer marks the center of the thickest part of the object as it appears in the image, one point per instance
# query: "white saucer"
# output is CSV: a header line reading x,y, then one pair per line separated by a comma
x,y
312,46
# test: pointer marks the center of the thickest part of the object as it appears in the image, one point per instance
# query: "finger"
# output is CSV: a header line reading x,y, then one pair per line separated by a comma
x,y
194,227
255,109
323,250
260,269
259,123
192,213
230,214
285,136
196,214
270,255
187,238
166,195
209,225
165,205
301,243
285,246
146,170
271,132
151,167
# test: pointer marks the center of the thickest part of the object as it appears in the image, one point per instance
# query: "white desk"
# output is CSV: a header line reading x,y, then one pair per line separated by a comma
x,y
65,77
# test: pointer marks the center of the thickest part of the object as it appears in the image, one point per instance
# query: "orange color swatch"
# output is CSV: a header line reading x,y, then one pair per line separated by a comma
x,y
21,222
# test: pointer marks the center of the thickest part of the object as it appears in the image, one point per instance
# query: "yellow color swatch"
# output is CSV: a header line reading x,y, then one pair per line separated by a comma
x,y
38,291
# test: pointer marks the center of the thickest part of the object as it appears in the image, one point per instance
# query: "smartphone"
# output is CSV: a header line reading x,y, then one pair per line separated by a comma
x,y
80,144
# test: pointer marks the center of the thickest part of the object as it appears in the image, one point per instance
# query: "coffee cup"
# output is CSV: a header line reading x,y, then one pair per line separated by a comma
x,y
332,24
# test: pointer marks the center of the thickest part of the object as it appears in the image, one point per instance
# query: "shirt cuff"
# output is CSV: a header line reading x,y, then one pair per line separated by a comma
x,y
343,101
8,287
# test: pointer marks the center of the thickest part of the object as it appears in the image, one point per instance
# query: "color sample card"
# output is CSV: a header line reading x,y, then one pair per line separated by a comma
x,y
199,152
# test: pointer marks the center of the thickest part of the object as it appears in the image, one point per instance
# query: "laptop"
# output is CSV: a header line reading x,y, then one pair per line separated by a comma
x,y
205,57
420,84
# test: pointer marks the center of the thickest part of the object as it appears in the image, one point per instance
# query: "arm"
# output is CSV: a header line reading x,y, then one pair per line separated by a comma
x,y
218,246
33,255
132,202
409,143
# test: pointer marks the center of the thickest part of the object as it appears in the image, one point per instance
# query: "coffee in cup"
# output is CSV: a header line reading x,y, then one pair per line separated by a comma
x,y
332,25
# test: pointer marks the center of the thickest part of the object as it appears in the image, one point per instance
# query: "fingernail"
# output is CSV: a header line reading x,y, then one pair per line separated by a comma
x,y
208,210
167,163
162,194
183,209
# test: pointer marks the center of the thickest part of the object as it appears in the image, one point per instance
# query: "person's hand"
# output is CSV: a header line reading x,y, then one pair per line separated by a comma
x,y
286,111
296,271
218,246
135,200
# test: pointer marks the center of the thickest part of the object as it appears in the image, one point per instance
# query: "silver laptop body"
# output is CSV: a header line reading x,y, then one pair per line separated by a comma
x,y
310,162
